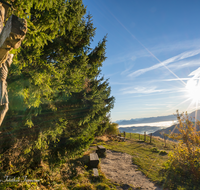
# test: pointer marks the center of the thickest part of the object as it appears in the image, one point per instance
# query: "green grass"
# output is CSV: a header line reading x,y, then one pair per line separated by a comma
x,y
148,161
71,174
74,173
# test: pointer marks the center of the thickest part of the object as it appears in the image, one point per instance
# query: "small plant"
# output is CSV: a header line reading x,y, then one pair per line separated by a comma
x,y
155,149
102,186
84,186
163,152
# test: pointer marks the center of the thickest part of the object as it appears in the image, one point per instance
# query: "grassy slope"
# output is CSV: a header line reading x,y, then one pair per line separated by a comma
x,y
149,162
74,174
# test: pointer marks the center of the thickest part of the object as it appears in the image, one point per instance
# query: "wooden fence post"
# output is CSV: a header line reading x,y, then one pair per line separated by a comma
x,y
139,137
130,135
124,134
150,137
144,136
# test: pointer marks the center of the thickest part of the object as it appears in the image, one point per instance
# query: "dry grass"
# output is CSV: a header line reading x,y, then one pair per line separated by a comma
x,y
103,138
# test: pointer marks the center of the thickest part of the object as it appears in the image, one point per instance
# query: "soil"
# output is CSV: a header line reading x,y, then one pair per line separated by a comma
x,y
118,167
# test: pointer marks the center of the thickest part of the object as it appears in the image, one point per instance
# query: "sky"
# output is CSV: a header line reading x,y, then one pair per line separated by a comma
x,y
153,55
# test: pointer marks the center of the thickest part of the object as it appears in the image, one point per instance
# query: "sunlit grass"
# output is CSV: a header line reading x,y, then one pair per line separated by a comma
x,y
149,162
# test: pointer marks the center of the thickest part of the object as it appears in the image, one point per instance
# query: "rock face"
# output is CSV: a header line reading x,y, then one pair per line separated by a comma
x,y
11,36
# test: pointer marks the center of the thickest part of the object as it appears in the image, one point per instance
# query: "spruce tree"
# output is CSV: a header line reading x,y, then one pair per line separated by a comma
x,y
56,102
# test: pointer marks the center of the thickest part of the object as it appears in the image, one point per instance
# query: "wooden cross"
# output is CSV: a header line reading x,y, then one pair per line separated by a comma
x,y
11,36
12,33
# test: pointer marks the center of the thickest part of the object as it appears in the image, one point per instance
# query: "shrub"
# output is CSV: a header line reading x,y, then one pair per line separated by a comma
x,y
112,129
163,152
155,149
84,186
102,186
183,165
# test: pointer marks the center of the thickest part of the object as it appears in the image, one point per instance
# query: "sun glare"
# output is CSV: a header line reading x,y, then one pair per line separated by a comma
x,y
193,89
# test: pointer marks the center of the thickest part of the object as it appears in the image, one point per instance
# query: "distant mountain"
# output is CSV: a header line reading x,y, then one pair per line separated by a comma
x,y
193,115
155,119
160,132
147,120
155,130
170,129
140,130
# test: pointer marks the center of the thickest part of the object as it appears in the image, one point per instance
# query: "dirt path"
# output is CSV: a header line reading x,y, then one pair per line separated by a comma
x,y
118,167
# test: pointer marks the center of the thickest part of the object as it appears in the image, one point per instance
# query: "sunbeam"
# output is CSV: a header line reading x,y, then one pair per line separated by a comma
x,y
179,104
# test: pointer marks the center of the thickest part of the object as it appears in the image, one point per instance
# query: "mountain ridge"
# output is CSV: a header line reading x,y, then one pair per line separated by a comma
x,y
156,119
147,120
155,130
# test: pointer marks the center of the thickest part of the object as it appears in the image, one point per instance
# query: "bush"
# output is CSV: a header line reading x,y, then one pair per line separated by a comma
x,y
85,186
163,152
112,129
102,186
155,149
183,165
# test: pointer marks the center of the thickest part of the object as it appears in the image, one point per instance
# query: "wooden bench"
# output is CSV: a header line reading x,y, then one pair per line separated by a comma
x,y
95,172
94,160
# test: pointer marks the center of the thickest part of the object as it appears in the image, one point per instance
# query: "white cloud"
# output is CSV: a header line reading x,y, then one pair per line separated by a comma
x,y
127,70
142,90
184,64
195,72
176,79
176,58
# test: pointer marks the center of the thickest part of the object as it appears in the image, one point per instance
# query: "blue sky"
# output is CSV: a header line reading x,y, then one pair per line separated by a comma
x,y
152,49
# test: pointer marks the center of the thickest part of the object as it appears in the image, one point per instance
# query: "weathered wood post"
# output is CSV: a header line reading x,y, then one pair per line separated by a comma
x,y
144,136
150,137
130,135
124,134
11,36
139,137
165,140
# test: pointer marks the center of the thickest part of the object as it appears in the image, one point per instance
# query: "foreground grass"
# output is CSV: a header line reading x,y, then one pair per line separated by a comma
x,y
76,175
68,174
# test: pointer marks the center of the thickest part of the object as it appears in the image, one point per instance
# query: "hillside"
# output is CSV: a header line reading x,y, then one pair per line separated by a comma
x,y
168,130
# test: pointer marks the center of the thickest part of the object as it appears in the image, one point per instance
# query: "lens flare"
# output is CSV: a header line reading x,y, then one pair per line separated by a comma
x,y
193,86
193,89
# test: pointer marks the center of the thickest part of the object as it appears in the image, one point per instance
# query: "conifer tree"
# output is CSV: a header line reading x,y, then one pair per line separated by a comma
x,y
55,98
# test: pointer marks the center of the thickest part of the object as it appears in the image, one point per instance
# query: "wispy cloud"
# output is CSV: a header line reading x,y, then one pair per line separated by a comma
x,y
119,83
175,46
181,56
143,90
156,104
127,70
150,90
168,80
184,64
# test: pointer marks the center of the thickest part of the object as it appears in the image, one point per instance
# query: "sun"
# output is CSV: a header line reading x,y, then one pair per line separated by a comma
x,y
193,89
